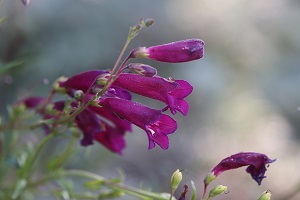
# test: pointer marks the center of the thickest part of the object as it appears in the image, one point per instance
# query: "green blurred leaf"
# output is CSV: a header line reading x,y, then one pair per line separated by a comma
x,y
20,186
93,185
2,19
194,196
4,68
110,195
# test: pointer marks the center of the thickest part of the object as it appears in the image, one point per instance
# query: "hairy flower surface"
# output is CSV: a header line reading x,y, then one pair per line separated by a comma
x,y
256,163
156,124
174,52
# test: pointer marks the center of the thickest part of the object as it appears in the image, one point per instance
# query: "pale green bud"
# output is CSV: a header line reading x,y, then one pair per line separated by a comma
x,y
176,179
266,195
149,22
56,86
219,189
78,94
102,79
140,52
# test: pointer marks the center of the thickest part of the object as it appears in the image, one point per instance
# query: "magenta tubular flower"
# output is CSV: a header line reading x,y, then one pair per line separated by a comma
x,y
32,102
175,52
89,123
156,124
82,81
170,92
256,163
112,138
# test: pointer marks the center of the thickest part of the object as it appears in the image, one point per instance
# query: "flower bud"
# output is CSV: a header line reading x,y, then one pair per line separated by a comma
x,y
175,52
78,94
142,69
219,189
149,22
56,85
176,179
266,195
102,79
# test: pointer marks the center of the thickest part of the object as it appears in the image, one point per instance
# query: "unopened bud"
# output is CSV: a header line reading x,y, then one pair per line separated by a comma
x,y
102,79
266,195
78,94
49,110
175,52
176,179
149,22
56,85
219,189
142,69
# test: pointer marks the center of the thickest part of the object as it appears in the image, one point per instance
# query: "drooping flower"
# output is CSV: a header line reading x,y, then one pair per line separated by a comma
x,y
256,163
156,124
171,92
175,52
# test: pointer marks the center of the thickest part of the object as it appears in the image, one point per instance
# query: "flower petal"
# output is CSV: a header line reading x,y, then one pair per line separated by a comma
x,y
167,91
156,124
112,138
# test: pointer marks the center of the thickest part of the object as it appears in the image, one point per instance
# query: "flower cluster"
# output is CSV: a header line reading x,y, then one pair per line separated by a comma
x,y
101,101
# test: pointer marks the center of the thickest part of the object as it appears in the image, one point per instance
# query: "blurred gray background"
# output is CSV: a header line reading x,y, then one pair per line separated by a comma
x,y
246,89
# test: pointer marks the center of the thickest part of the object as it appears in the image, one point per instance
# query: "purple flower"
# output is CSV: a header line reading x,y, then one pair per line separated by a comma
x,y
32,102
156,124
175,52
112,137
168,91
256,163
97,124
82,81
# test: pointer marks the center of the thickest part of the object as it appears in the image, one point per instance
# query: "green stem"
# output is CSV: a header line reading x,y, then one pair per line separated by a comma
x,y
117,186
27,169
65,155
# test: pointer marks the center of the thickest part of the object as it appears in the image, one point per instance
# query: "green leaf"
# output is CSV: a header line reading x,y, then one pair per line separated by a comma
x,y
4,68
110,195
20,186
2,19
94,185
194,196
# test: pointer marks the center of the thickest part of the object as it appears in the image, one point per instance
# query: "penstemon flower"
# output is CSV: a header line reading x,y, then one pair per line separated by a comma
x,y
101,105
256,163
175,52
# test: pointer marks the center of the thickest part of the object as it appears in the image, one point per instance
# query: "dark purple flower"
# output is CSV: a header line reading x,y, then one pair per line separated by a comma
x,y
89,123
168,91
112,137
32,102
156,124
175,52
256,163
82,81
